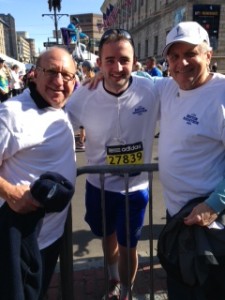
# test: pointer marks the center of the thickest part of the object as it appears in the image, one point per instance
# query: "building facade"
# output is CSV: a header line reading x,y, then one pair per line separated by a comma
x,y
9,35
2,38
14,44
26,47
149,21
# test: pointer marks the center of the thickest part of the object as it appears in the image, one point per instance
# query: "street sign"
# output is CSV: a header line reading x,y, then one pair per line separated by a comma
x,y
49,44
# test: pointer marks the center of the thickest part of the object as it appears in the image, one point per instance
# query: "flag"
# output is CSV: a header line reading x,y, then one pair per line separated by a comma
x,y
65,36
128,2
108,17
105,23
113,12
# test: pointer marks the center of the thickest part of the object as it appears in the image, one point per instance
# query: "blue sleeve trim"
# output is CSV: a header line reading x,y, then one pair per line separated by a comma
x,y
216,200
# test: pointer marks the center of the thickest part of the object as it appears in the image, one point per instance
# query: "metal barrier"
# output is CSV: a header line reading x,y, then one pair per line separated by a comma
x,y
66,254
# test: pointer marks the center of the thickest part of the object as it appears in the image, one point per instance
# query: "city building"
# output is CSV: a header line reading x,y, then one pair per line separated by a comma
x,y
26,47
9,35
15,44
149,21
33,55
2,38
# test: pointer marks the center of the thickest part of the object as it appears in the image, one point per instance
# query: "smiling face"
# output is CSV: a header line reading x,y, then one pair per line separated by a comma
x,y
116,63
54,89
189,64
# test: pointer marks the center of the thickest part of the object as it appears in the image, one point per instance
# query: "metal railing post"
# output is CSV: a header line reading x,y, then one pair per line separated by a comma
x,y
150,178
66,253
104,244
66,260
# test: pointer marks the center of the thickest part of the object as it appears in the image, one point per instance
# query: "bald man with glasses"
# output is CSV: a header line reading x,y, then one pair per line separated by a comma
x,y
37,137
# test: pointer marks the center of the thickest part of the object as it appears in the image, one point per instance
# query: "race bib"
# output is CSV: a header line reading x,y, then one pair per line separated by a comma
x,y
125,154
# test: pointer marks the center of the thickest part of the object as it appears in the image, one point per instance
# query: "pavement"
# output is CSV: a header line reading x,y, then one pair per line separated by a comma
x,y
89,283
88,276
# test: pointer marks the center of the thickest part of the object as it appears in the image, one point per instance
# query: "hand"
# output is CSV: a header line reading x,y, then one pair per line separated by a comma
x,y
93,82
201,215
20,199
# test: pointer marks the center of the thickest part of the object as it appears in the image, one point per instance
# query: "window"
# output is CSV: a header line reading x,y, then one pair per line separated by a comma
x,y
146,48
156,41
139,50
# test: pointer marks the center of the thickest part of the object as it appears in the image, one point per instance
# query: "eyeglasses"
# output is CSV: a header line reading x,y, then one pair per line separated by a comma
x,y
116,32
66,76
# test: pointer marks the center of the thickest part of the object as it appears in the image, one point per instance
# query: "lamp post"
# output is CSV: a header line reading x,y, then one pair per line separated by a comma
x,y
55,5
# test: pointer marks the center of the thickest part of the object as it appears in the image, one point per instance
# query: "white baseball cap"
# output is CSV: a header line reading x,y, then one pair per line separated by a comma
x,y
188,32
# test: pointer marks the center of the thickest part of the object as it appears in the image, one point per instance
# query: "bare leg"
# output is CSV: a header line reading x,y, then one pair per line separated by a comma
x,y
123,265
112,257
112,250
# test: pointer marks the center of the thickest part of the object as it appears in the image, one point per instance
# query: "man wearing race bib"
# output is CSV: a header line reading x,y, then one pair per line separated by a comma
x,y
119,118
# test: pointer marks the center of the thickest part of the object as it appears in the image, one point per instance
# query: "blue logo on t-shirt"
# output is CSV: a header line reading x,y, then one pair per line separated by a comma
x,y
139,110
191,119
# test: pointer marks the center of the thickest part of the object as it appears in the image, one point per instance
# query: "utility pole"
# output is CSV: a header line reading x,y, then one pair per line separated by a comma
x,y
56,18
56,5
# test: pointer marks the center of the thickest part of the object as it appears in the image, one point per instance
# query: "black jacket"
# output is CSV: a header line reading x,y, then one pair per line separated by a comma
x,y
187,252
20,259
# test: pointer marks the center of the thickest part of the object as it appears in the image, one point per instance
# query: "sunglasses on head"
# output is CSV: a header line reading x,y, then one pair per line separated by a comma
x,y
116,32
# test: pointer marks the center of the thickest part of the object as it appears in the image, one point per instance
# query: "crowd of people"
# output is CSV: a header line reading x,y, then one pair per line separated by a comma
x,y
118,111
12,80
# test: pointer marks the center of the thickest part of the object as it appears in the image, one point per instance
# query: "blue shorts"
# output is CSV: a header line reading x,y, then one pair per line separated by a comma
x,y
115,207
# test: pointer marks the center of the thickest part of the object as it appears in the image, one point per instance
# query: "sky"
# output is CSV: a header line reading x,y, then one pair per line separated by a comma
x,y
28,16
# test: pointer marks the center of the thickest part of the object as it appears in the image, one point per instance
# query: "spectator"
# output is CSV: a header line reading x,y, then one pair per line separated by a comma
x,y
88,69
214,67
4,81
151,67
76,33
139,71
28,77
15,82
88,72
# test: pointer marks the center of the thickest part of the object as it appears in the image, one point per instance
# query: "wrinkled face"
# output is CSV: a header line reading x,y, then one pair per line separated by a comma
x,y
55,66
189,64
116,64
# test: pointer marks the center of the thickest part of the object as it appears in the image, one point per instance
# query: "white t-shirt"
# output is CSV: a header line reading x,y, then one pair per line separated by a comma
x,y
192,140
34,141
15,82
116,120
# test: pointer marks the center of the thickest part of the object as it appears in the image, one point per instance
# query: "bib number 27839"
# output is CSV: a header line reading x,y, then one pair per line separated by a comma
x,y
125,154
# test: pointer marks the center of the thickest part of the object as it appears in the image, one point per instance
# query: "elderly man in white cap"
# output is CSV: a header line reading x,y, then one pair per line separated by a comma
x,y
192,145
192,158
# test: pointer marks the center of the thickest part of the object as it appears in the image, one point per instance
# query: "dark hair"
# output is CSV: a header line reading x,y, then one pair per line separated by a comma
x,y
75,20
114,35
88,64
152,58
15,67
